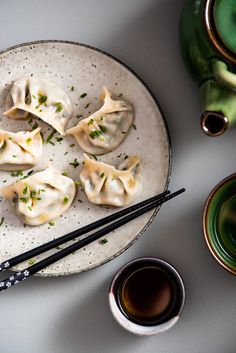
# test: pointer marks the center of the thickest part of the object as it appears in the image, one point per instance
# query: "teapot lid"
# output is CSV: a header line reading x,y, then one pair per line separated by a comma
x,y
224,18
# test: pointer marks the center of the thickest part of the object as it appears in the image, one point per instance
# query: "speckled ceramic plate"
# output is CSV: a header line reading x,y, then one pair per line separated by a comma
x,y
85,69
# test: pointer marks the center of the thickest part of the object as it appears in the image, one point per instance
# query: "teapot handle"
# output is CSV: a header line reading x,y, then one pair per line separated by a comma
x,y
222,74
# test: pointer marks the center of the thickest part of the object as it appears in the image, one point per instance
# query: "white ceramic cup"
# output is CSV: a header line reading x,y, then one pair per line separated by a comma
x,y
165,320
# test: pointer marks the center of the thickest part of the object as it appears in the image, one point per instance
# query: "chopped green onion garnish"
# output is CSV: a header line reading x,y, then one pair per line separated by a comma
x,y
25,190
103,241
51,223
66,199
91,121
102,175
31,262
75,163
48,140
28,140
95,133
83,95
134,126
59,107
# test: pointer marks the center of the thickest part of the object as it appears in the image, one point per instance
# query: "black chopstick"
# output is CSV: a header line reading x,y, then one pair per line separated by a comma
x,y
24,274
75,234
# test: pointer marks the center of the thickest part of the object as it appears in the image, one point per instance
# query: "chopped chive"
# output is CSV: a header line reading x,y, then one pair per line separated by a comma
x,y
16,173
102,175
78,183
103,241
30,172
28,140
123,132
120,95
87,105
66,199
65,173
30,120
25,190
83,95
101,118
29,208
80,201
9,138
126,156
65,153
79,116
95,133
48,140
31,262
33,96
72,88
134,127
14,156
51,223
23,199
75,163
72,145
59,107
52,143
4,181
42,99
91,121
1,222
59,139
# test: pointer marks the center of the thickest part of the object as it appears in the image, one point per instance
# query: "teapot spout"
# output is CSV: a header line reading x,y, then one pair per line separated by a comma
x,y
214,123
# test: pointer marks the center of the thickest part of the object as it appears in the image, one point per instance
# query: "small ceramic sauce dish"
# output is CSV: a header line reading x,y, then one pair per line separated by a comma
x,y
147,296
219,223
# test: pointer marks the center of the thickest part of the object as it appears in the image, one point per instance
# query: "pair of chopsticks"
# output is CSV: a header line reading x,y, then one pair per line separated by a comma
x,y
116,220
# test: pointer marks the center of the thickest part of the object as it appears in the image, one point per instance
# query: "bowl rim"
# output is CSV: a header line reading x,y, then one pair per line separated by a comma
x,y
204,222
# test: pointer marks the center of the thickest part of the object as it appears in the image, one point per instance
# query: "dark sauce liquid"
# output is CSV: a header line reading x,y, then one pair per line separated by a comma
x,y
146,294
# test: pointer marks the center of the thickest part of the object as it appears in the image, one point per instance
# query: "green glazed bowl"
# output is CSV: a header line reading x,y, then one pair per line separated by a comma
x,y
219,223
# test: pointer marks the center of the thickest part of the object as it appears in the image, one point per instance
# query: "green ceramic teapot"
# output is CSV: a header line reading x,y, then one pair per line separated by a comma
x,y
208,45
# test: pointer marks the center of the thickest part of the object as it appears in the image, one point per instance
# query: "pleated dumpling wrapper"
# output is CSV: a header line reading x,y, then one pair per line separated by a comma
x,y
104,130
41,197
106,185
41,98
20,150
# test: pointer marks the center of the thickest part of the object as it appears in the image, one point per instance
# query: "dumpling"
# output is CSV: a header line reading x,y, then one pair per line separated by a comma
x,y
106,185
41,197
20,150
41,98
105,129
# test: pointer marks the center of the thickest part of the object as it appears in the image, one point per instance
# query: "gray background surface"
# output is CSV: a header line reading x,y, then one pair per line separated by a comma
x,y
69,315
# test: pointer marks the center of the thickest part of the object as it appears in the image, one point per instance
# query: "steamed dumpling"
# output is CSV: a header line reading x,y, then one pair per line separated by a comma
x,y
41,197
41,98
105,129
21,150
106,185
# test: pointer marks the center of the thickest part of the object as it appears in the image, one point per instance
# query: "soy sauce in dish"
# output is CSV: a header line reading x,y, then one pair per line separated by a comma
x,y
146,294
